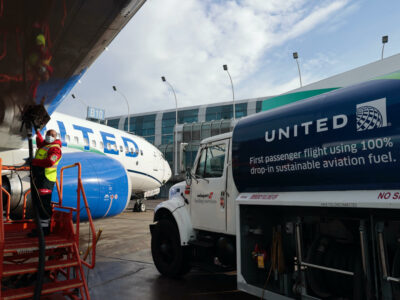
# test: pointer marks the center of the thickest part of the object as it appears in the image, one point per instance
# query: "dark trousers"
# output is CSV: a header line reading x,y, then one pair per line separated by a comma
x,y
42,201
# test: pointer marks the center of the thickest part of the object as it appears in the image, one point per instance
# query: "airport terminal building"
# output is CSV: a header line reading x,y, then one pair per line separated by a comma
x,y
195,123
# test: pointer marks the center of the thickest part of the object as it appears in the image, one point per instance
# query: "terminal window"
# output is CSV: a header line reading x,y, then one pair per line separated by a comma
x,y
219,112
167,139
143,125
226,111
168,123
259,106
241,110
188,116
113,123
150,139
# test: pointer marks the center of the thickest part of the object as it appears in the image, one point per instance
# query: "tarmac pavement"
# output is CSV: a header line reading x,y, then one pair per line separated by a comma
x,y
125,270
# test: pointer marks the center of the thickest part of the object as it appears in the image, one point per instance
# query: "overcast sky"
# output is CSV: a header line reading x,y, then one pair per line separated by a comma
x,y
189,41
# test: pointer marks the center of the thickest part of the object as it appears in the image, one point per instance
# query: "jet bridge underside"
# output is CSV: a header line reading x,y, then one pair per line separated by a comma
x,y
45,47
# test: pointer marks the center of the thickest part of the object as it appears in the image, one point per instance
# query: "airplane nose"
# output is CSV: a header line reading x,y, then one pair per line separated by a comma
x,y
167,171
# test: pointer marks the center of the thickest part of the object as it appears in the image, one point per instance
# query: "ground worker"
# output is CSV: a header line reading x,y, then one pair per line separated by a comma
x,y
39,58
44,171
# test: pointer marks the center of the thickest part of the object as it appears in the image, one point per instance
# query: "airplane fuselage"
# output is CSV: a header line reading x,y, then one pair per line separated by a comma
x,y
147,168
145,164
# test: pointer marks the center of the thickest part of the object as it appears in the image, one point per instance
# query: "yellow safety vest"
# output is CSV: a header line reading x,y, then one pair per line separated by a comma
x,y
41,154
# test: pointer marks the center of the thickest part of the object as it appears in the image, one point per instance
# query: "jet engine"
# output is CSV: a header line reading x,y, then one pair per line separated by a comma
x,y
105,182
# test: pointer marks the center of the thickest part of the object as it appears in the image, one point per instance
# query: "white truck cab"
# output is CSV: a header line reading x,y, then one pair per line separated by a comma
x,y
197,223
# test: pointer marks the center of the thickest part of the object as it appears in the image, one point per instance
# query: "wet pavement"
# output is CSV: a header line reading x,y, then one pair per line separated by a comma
x,y
125,270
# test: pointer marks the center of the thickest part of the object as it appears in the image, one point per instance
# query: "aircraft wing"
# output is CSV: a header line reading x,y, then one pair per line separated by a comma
x,y
46,46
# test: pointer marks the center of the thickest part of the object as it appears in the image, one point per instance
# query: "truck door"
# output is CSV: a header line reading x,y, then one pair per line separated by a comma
x,y
208,190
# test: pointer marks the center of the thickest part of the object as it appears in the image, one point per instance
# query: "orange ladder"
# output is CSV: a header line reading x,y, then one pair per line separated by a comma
x,y
64,274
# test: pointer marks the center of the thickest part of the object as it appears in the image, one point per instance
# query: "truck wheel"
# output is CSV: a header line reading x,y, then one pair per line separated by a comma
x,y
170,258
142,207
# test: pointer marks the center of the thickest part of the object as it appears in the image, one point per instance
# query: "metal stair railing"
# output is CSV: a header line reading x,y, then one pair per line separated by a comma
x,y
80,191
6,221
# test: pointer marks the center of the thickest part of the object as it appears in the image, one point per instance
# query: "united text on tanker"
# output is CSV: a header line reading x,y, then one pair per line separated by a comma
x,y
320,125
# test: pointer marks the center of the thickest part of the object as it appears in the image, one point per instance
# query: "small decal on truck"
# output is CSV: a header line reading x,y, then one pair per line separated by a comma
x,y
263,197
389,195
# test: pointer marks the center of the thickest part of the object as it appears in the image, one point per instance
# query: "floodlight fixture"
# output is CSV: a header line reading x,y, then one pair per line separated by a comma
x,y
127,104
233,92
385,39
176,126
296,56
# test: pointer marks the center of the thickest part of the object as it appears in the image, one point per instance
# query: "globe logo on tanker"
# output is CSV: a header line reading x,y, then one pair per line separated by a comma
x,y
371,115
368,117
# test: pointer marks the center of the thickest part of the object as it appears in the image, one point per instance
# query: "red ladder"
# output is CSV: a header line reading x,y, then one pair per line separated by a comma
x,y
64,274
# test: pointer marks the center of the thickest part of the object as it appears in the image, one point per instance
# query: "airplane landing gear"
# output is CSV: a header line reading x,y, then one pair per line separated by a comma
x,y
139,206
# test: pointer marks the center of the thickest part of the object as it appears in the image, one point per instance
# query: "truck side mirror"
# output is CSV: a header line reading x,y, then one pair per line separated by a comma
x,y
182,150
188,177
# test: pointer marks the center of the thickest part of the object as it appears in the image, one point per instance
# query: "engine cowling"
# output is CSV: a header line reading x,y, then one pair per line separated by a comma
x,y
105,181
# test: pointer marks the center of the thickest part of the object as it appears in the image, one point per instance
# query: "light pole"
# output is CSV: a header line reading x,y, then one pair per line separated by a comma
x,y
127,103
296,56
233,92
385,39
176,124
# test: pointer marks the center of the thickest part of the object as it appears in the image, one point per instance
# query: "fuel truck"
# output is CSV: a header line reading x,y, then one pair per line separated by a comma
x,y
303,200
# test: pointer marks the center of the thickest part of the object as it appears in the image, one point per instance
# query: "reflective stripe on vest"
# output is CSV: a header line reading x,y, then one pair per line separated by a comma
x,y
41,154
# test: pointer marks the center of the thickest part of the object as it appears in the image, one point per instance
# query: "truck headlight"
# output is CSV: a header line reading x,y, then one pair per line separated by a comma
x,y
173,191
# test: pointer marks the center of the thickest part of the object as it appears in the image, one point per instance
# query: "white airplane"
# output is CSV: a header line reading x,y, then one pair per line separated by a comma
x,y
147,168
144,163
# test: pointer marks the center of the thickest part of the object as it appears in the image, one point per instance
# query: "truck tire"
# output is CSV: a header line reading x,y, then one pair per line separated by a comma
x,y
170,258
